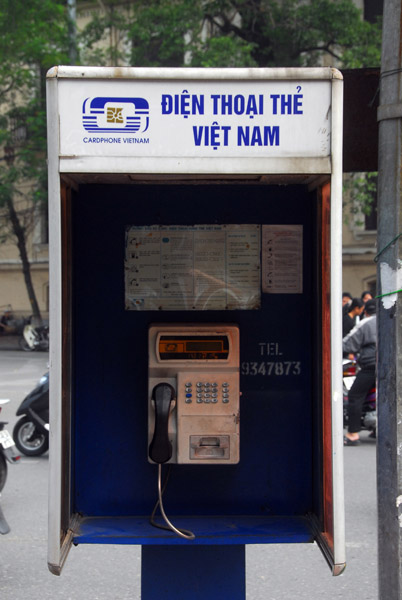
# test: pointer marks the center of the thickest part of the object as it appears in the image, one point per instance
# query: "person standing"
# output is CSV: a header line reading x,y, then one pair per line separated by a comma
x,y
355,309
361,340
366,295
346,299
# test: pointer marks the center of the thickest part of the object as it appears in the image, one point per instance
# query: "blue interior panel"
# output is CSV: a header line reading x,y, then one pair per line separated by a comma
x,y
277,475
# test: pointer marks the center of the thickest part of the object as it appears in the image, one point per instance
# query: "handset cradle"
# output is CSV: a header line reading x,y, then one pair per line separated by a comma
x,y
160,449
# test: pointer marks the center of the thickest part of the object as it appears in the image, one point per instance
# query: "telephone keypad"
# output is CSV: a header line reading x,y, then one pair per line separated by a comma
x,y
189,392
207,392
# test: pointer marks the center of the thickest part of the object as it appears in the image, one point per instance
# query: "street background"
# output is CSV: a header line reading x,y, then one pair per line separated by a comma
x,y
97,572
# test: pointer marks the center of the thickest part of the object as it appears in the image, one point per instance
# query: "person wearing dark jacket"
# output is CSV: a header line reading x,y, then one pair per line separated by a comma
x,y
361,340
355,309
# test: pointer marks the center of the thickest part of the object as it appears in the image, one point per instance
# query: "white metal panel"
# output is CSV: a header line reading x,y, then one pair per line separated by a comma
x,y
120,120
336,328
55,392
117,73
195,119
207,166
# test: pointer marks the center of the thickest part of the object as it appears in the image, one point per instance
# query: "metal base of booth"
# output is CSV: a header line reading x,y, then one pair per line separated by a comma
x,y
193,573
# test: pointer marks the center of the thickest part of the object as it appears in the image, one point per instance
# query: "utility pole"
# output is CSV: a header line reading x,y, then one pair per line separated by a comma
x,y
389,319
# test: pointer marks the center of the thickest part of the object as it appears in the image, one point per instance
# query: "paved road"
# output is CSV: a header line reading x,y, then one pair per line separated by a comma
x,y
276,572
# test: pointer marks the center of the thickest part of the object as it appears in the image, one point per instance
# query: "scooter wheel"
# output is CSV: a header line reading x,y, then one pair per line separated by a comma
x,y
23,344
3,471
28,439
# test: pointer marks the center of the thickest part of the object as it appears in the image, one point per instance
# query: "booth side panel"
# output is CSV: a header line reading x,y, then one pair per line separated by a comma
x,y
336,327
59,435
66,299
326,365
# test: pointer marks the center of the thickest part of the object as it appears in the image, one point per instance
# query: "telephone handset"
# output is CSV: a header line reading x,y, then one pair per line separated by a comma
x,y
193,396
160,449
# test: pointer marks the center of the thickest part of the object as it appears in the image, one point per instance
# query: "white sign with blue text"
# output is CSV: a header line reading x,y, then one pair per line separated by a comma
x,y
220,118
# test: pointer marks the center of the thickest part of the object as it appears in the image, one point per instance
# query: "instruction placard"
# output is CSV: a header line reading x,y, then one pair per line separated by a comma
x,y
282,259
200,267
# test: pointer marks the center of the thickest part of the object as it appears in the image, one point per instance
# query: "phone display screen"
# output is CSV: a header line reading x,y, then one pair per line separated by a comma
x,y
193,347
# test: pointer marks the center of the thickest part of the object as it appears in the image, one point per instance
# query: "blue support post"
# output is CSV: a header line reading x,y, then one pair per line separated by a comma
x,y
193,572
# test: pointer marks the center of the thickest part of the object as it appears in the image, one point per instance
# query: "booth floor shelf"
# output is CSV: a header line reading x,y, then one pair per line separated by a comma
x,y
216,530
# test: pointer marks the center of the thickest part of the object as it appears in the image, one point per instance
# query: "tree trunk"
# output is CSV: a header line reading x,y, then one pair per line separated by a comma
x,y
19,233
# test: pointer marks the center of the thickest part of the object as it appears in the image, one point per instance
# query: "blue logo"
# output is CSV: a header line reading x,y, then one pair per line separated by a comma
x,y
125,115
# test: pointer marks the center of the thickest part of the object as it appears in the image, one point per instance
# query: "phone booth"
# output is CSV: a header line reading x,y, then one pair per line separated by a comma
x,y
195,264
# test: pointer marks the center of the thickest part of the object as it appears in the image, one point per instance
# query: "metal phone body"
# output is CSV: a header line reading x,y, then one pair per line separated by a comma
x,y
201,362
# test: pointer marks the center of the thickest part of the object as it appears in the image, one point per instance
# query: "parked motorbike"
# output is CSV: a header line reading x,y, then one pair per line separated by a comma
x,y
34,338
369,410
31,432
8,453
8,323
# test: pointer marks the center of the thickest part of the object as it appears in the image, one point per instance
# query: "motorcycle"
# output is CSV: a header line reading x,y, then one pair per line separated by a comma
x,y
369,409
8,453
31,432
8,323
34,338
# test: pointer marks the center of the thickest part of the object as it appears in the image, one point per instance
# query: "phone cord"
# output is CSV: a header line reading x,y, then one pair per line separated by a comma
x,y
184,533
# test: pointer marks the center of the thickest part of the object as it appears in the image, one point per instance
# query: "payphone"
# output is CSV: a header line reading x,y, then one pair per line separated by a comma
x,y
193,394
207,215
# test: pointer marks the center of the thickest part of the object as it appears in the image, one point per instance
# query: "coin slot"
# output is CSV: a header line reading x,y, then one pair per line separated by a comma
x,y
210,441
